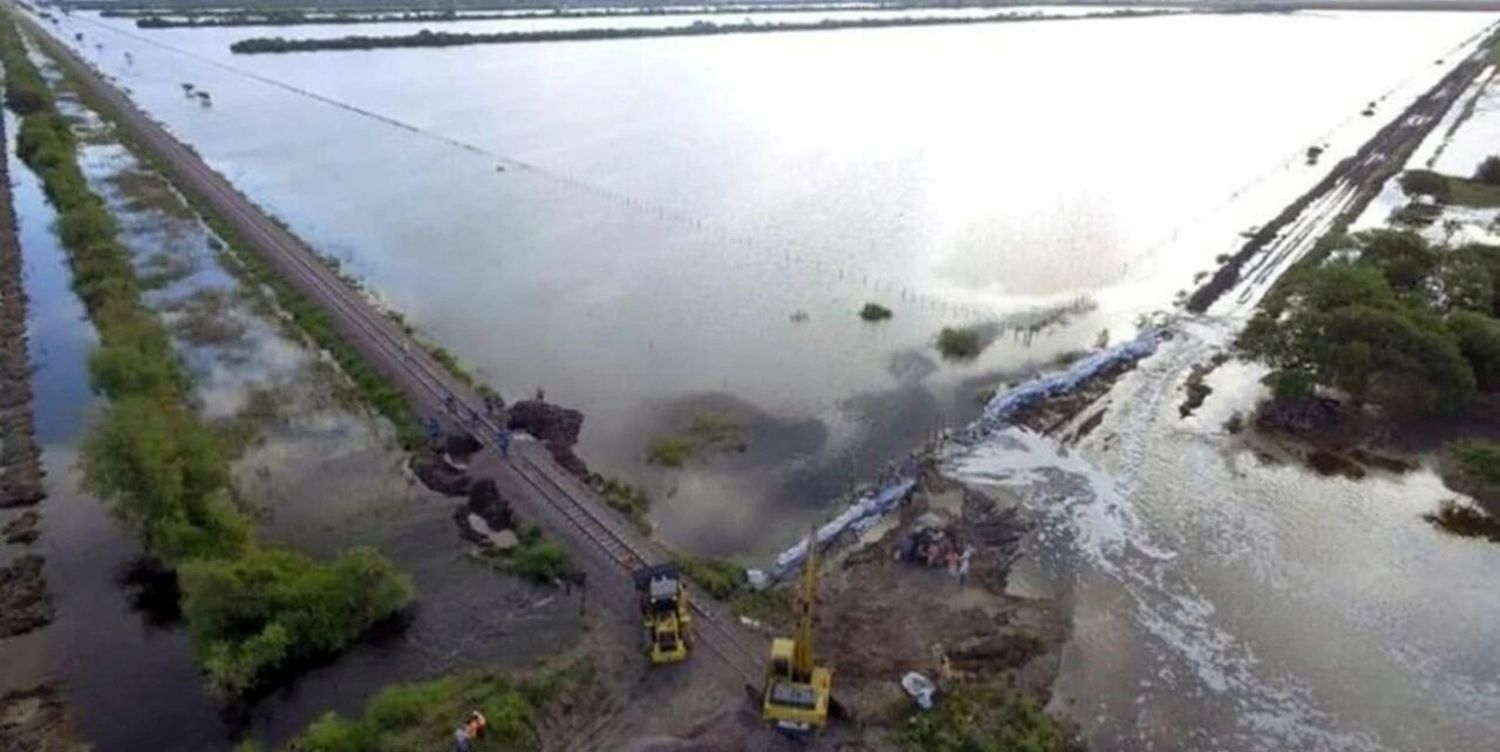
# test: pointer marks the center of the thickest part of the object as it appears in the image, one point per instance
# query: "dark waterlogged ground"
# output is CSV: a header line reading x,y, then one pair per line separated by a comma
x,y
320,472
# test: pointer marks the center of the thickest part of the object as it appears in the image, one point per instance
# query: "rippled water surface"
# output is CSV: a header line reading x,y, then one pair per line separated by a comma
x,y
633,225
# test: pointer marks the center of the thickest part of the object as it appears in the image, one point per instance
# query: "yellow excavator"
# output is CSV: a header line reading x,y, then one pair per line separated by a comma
x,y
664,607
797,692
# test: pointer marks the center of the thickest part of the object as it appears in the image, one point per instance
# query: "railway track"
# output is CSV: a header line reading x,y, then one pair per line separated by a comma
x,y
427,384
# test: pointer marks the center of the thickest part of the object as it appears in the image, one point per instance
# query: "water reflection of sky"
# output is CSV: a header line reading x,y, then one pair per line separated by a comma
x,y
690,195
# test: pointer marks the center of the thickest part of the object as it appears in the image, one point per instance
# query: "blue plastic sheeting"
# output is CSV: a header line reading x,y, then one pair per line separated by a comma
x,y
1001,407
865,512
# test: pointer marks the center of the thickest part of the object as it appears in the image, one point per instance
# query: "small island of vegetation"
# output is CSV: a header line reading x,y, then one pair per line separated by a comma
x,y
959,343
704,432
875,312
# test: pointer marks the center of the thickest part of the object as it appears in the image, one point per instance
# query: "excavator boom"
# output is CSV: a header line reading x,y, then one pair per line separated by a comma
x,y
797,690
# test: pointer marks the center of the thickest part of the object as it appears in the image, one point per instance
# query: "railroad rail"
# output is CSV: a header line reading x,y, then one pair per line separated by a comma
x,y
400,356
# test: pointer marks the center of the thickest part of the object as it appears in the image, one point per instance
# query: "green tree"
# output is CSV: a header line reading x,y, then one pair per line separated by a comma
x,y
164,476
1478,338
1489,171
252,614
1402,256
1425,183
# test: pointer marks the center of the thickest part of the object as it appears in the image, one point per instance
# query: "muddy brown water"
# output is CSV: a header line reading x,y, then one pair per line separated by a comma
x,y
322,475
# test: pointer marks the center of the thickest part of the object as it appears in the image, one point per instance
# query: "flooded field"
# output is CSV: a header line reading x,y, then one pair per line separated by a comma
x,y
320,472
642,226
676,235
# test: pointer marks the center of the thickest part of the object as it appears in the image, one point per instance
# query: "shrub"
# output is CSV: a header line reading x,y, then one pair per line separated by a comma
x,y
671,451
1479,461
1425,183
717,577
1489,171
959,344
624,498
164,476
540,560
1402,256
1478,339
251,615
715,431
875,312
409,717
770,604
967,718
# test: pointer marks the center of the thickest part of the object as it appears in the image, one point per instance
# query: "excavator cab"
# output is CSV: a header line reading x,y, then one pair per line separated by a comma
x,y
797,692
664,609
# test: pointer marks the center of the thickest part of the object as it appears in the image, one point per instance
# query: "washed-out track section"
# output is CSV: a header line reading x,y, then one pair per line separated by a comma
x,y
534,482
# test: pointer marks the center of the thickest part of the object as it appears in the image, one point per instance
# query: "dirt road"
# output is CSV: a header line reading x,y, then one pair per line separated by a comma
x,y
603,545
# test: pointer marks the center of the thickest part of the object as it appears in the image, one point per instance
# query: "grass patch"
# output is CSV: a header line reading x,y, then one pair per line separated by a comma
x,y
670,451
536,558
143,190
875,312
716,577
1449,189
421,717
704,432
770,605
624,498
969,718
961,343
1476,467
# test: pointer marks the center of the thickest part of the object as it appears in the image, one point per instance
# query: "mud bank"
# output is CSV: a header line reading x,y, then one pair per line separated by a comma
x,y
24,602
20,460
37,720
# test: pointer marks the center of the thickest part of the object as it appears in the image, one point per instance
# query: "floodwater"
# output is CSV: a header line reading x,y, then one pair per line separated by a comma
x,y
634,225
318,472
1225,601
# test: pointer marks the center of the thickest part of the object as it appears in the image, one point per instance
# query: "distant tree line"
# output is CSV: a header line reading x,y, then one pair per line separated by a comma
x,y
429,38
165,19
